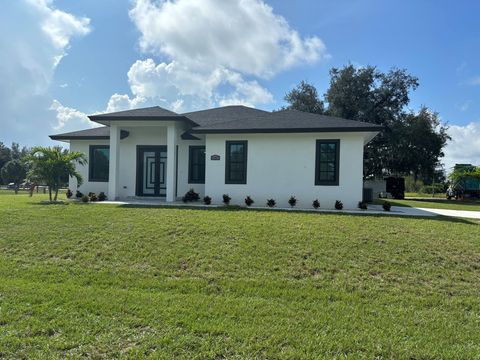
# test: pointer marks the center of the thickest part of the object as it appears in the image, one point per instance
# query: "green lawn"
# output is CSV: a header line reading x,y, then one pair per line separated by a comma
x,y
434,203
93,281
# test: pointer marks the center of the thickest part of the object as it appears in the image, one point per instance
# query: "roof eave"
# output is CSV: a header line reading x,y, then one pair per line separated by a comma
x,y
278,130
62,137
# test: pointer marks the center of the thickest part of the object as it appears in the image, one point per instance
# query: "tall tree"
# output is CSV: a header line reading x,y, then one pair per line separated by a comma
x,y
53,166
367,94
416,144
304,98
18,153
14,171
5,156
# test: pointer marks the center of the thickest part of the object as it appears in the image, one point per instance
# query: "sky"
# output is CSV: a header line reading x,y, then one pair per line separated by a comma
x,y
63,60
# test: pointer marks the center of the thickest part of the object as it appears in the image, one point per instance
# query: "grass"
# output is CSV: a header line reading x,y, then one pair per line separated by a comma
x,y
434,203
105,281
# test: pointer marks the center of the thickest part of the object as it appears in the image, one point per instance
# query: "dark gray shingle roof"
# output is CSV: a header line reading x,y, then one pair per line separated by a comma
x,y
286,121
229,119
102,132
155,113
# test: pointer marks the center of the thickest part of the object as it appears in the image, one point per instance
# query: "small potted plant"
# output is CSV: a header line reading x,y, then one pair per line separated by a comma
x,y
386,206
102,196
316,204
93,196
85,198
362,205
190,196
207,200
338,205
271,203
249,201
292,201
69,194
79,194
226,199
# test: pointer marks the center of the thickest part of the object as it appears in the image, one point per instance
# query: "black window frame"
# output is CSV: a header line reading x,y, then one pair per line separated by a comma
x,y
228,162
91,151
318,180
191,149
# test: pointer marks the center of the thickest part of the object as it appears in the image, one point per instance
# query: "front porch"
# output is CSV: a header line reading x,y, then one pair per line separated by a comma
x,y
143,163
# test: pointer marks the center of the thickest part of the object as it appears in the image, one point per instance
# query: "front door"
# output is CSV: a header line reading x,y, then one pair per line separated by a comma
x,y
151,170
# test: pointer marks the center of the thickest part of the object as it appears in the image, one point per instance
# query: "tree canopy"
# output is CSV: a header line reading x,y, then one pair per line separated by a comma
x,y
14,171
305,98
53,166
411,142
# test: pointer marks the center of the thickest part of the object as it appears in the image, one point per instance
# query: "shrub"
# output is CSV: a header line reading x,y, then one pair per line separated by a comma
x,y
93,197
271,203
85,198
207,200
190,195
387,206
362,205
249,201
78,195
102,196
292,201
338,205
316,204
69,193
226,199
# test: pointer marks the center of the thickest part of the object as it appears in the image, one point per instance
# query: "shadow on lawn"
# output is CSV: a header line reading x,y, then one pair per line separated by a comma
x,y
295,211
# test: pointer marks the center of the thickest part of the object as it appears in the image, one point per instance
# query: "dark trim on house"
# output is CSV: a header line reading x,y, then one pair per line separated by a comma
x,y
227,161
91,150
61,137
139,170
191,148
187,135
286,130
336,181
123,134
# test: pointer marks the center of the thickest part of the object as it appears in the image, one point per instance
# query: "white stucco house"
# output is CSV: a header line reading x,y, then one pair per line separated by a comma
x,y
234,150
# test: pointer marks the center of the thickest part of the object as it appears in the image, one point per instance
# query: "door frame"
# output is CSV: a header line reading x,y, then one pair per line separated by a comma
x,y
139,171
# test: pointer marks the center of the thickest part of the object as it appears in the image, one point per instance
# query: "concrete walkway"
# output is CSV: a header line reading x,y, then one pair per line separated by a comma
x,y
372,209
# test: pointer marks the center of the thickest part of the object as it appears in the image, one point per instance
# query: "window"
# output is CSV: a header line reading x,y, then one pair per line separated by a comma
x,y
236,162
326,162
196,165
98,163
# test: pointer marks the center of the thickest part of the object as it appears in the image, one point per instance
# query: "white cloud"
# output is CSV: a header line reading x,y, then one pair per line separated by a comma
x,y
35,37
68,118
119,102
217,52
241,35
175,86
464,146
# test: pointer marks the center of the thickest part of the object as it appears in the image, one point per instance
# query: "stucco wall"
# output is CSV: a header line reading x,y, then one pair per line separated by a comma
x,y
148,135
86,187
281,165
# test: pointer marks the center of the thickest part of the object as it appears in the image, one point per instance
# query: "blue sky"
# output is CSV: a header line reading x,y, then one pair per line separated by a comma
x,y
120,47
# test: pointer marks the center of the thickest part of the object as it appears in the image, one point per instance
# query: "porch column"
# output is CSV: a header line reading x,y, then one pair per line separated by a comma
x,y
171,161
114,162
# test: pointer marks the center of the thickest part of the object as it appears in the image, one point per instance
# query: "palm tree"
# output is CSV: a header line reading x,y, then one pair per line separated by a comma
x,y
53,166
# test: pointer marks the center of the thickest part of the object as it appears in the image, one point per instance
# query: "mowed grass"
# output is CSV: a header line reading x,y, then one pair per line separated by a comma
x,y
434,203
105,281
